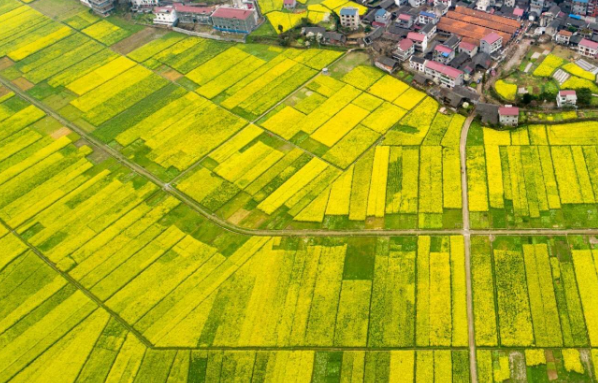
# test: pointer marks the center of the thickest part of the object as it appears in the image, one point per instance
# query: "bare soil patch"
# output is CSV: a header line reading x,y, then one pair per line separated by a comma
x,y
5,62
64,131
138,39
23,83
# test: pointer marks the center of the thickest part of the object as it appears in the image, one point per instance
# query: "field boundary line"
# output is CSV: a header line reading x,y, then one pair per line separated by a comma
x,y
254,122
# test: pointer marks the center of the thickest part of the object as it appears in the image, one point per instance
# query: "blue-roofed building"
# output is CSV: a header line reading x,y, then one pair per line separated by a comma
x,y
427,18
382,17
349,17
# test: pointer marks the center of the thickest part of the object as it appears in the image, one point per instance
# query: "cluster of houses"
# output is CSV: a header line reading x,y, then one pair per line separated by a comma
x,y
443,43
242,19
451,62
224,19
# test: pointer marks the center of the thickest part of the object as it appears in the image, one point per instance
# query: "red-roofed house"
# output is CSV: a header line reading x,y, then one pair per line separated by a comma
x,y
192,14
443,54
290,4
468,48
588,48
491,43
405,20
234,20
444,74
563,37
566,98
518,12
165,15
420,40
508,115
405,49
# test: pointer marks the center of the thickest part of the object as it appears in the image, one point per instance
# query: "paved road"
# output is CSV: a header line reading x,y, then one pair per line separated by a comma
x,y
473,371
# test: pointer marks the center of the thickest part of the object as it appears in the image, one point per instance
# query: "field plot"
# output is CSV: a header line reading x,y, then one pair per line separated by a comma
x,y
410,180
116,234
86,344
536,365
535,292
250,79
536,176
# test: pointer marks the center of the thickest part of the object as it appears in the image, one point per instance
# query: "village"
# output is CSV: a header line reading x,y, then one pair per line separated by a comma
x,y
454,51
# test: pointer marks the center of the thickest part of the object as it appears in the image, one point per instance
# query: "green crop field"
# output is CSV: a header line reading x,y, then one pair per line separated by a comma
x,y
200,211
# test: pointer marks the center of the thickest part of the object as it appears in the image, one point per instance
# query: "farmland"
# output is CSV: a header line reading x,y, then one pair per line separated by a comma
x,y
535,176
198,211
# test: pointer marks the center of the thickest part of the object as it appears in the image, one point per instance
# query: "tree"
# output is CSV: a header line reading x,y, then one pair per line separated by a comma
x,y
280,28
527,98
584,96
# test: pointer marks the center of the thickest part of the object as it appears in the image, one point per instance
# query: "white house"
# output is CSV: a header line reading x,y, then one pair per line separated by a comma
x,y
579,7
289,4
349,17
417,3
444,74
563,37
382,18
491,43
468,48
587,48
405,49
508,115
482,5
420,40
417,63
143,5
566,98
165,15
427,17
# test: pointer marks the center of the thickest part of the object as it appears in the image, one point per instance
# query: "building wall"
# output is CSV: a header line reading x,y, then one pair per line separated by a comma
x,y
509,120
233,25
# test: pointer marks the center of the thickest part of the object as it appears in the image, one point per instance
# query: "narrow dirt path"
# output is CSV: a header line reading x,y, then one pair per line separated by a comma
x,y
473,371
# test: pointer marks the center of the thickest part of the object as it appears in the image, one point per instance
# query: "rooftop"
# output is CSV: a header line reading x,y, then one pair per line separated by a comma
x,y
348,11
588,43
404,17
165,9
467,46
416,36
191,9
419,60
427,14
379,12
232,13
567,93
518,12
387,61
444,69
443,49
405,44
508,111
428,27
565,33
491,38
